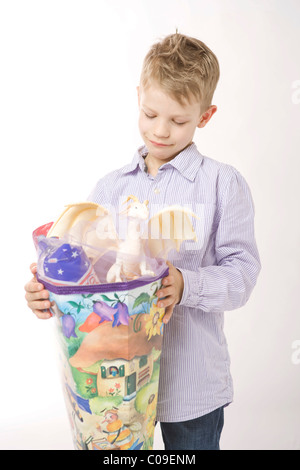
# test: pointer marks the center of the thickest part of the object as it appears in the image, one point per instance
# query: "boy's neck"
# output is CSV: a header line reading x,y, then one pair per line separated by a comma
x,y
153,164
152,169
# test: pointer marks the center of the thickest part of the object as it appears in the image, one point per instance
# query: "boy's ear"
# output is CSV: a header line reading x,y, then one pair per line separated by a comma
x,y
207,115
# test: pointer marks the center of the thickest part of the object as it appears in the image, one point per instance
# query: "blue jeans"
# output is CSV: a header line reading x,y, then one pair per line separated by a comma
x,y
197,434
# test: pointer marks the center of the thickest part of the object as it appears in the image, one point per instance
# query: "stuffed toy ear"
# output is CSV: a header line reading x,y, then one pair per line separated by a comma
x,y
73,215
168,229
87,224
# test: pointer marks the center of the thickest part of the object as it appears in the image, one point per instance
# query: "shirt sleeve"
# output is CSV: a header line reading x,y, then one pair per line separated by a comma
x,y
227,285
99,193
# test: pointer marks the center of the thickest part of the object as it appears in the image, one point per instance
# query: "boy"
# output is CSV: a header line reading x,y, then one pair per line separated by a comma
x,y
207,277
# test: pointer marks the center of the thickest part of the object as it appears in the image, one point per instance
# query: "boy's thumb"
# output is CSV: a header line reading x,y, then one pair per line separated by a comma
x,y
33,268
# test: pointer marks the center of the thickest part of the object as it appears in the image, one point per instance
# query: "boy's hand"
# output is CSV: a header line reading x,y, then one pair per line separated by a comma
x,y
37,297
172,289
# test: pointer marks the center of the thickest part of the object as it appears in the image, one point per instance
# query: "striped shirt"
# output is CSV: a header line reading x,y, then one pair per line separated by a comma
x,y
219,271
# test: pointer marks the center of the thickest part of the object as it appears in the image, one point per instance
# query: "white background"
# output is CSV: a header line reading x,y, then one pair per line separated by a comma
x,y
68,111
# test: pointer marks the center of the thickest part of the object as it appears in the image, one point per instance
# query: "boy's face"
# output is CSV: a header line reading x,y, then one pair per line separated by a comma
x,y
166,126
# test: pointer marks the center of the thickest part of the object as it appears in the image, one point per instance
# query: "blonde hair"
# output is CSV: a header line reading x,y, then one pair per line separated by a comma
x,y
184,67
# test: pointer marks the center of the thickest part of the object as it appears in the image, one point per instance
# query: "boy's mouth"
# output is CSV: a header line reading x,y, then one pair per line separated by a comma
x,y
158,144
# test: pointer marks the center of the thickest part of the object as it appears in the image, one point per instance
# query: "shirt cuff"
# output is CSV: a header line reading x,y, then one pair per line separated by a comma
x,y
191,288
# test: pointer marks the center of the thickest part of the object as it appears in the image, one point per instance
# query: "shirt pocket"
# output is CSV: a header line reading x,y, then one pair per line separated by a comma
x,y
204,228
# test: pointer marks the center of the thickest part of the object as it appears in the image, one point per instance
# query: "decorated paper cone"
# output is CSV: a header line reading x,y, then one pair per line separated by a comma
x,y
110,339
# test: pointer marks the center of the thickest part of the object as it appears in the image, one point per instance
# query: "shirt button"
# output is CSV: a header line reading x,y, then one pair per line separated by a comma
x,y
157,190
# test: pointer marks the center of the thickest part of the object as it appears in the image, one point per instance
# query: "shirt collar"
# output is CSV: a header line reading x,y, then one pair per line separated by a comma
x,y
186,162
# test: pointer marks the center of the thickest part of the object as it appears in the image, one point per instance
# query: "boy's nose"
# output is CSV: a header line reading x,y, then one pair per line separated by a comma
x,y
161,130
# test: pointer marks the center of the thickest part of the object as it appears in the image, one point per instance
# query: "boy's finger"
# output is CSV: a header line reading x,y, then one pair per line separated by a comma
x,y
42,315
34,296
36,305
168,314
34,286
165,292
168,280
167,301
36,301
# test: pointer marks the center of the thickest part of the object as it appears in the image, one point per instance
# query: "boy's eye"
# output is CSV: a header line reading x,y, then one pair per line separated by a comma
x,y
150,116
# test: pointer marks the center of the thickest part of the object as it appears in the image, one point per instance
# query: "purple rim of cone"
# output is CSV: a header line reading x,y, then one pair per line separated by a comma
x,y
98,288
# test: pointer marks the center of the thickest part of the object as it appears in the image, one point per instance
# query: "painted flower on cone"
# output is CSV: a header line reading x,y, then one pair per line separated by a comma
x,y
118,314
104,311
121,315
68,326
154,324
